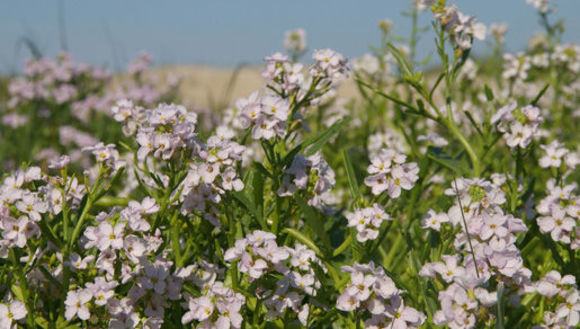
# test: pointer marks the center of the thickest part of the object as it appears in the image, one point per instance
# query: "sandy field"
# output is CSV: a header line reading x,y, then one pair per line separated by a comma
x,y
205,86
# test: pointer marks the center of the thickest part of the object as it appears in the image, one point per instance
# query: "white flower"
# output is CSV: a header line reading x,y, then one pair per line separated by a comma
x,y
146,207
109,236
122,110
78,263
541,5
295,42
368,64
555,151
570,310
558,224
230,181
101,290
32,205
76,304
15,311
434,220
403,316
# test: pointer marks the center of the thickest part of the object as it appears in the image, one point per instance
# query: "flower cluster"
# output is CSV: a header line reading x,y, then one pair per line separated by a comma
x,y
266,115
461,27
563,300
55,81
11,313
258,255
329,66
163,130
295,42
560,213
219,307
389,172
518,126
367,222
556,155
211,176
371,289
282,74
132,212
486,250
310,174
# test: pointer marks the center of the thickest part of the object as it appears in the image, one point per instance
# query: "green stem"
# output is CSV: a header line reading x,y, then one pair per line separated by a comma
x,y
175,231
80,221
24,287
466,230
470,152
343,246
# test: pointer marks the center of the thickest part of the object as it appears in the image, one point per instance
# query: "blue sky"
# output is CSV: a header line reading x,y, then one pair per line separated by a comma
x,y
229,32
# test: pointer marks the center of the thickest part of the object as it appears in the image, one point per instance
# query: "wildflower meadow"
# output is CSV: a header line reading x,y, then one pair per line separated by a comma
x,y
442,196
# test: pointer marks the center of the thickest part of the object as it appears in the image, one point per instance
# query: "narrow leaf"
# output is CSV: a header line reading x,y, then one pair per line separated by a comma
x,y
400,58
304,239
439,156
540,94
352,181
499,324
313,220
315,143
488,93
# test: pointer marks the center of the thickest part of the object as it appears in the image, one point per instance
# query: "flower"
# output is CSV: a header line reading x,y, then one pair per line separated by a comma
x,y
76,304
109,236
570,310
390,172
434,220
9,313
403,316
559,225
329,65
367,221
542,5
295,41
555,151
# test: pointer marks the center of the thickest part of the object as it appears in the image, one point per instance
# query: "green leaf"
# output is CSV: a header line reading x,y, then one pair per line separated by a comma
x,y
410,108
488,93
47,231
436,84
262,169
400,58
40,321
61,323
312,145
17,292
499,324
258,192
313,221
473,123
126,146
357,248
352,181
287,161
540,94
304,239
152,193
438,155
400,283
243,198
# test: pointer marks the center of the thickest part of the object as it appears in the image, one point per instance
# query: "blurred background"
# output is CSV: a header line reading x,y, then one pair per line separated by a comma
x,y
228,33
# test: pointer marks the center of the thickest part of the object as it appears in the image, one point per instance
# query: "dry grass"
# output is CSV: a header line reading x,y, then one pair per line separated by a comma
x,y
204,86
